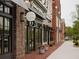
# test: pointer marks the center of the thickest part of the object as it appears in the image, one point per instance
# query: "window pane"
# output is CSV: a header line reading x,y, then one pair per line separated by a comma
x,y
36,37
6,24
1,23
7,9
45,36
1,31
29,39
1,7
40,36
6,35
6,46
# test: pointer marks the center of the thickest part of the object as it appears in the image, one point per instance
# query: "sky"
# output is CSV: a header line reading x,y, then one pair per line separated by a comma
x,y
67,9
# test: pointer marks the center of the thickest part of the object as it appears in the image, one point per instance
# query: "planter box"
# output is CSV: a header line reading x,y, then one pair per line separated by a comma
x,y
42,50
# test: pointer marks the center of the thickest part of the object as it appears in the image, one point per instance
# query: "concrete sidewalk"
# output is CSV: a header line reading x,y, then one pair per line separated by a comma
x,y
65,51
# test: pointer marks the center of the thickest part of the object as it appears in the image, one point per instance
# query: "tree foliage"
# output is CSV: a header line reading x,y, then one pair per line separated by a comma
x,y
69,31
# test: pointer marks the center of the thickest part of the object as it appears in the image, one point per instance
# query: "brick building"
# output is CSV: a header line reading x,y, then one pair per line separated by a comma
x,y
12,40
56,21
23,39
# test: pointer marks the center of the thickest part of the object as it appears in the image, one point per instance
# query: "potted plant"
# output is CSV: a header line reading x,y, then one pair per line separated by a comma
x,y
42,49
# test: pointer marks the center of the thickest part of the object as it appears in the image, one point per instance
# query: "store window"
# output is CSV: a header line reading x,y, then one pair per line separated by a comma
x,y
30,37
37,37
33,36
5,30
45,32
5,35
1,31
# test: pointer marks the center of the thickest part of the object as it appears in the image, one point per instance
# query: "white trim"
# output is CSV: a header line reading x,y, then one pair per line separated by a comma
x,y
21,3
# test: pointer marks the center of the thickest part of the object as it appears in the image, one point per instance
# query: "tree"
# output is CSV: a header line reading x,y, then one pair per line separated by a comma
x,y
76,28
76,22
69,32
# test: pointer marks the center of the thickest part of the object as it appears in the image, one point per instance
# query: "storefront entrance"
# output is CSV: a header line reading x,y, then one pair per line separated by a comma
x,y
33,36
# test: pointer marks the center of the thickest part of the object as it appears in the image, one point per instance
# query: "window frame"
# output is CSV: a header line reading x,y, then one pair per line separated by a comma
x,y
9,37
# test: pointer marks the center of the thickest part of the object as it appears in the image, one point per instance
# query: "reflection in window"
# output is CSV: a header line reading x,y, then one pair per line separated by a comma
x,y
1,7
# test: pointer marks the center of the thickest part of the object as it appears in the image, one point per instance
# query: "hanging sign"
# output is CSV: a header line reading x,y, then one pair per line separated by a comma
x,y
31,16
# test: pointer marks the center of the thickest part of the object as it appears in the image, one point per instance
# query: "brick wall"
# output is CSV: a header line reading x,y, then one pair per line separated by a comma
x,y
20,38
54,20
55,13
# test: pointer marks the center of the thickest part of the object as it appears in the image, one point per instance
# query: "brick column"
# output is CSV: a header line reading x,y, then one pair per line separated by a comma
x,y
20,37
54,20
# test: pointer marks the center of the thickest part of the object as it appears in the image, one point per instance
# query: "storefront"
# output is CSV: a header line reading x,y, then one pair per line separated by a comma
x,y
6,19
37,34
33,36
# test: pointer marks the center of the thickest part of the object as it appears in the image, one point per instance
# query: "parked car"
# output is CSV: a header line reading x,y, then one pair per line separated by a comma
x,y
66,38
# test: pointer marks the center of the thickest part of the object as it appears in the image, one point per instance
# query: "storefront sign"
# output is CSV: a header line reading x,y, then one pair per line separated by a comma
x,y
21,3
30,16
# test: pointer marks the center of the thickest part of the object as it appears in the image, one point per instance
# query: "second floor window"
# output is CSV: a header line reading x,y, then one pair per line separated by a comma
x,y
7,9
1,7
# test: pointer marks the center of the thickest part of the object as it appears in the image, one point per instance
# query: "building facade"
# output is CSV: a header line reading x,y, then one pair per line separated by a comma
x,y
23,39
18,36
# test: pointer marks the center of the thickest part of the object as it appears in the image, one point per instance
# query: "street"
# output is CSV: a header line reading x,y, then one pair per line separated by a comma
x,y
65,51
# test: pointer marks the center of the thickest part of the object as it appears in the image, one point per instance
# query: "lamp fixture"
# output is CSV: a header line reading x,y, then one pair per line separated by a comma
x,y
22,18
56,7
26,1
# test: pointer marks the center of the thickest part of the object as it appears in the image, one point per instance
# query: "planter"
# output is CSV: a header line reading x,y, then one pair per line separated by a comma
x,y
46,48
51,43
42,50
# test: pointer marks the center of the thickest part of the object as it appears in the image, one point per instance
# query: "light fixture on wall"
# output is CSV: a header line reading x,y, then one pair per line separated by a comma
x,y
27,1
22,17
56,7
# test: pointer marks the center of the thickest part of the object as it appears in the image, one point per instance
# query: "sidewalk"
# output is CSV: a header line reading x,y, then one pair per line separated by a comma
x,y
65,51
